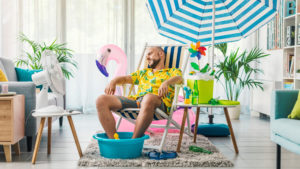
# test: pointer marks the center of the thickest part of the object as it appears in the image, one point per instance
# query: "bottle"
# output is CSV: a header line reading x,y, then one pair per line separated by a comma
x,y
205,69
212,72
187,96
195,94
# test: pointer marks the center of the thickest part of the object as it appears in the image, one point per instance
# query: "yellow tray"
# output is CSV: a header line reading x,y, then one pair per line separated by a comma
x,y
229,102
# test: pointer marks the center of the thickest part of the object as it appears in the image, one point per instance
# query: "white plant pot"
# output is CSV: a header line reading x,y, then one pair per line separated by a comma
x,y
234,112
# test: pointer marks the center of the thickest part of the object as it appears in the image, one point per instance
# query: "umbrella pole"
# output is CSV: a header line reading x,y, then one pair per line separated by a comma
x,y
213,33
210,115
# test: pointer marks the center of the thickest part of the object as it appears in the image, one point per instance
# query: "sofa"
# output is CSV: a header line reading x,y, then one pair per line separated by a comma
x,y
28,89
285,132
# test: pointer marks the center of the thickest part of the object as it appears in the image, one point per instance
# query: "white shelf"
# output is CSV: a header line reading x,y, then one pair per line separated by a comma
x,y
291,54
290,47
290,17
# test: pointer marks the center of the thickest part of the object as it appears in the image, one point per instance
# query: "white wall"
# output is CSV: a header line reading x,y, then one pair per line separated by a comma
x,y
272,67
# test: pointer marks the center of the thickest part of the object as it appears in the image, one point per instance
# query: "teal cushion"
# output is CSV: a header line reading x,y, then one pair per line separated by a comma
x,y
287,128
24,75
212,130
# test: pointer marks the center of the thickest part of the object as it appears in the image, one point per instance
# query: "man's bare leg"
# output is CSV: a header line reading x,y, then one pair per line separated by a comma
x,y
149,104
106,104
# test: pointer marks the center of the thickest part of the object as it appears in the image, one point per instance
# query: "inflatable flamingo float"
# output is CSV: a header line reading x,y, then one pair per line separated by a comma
x,y
108,53
105,55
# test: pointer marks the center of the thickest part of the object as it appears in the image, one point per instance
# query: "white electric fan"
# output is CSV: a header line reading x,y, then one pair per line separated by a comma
x,y
52,77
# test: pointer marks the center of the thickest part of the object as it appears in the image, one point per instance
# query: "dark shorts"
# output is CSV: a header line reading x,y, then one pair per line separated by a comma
x,y
130,103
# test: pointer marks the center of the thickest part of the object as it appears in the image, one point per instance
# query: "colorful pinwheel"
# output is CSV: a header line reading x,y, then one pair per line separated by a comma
x,y
197,50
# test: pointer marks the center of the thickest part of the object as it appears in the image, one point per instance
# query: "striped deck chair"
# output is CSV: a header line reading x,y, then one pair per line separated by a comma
x,y
176,56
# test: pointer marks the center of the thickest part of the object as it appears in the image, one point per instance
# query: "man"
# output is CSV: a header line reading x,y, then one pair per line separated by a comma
x,y
155,90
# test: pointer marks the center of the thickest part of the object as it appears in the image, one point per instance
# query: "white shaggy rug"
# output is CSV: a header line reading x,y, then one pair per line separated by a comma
x,y
92,158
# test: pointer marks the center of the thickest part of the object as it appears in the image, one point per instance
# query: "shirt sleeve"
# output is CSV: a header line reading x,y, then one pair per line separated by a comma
x,y
135,76
176,72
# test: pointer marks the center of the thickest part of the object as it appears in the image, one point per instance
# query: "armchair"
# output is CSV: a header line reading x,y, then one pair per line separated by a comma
x,y
284,132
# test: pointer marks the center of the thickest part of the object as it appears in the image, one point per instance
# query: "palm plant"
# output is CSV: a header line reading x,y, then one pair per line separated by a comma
x,y
32,59
237,70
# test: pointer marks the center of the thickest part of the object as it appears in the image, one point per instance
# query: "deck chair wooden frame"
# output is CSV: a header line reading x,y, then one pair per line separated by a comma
x,y
159,114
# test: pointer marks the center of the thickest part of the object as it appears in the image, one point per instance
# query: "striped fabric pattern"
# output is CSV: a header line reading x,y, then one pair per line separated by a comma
x,y
189,21
174,56
132,114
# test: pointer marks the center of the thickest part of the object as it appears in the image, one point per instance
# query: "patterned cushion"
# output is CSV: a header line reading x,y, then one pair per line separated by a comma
x,y
174,56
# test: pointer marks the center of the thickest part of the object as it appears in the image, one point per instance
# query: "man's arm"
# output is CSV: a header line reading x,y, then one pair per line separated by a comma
x,y
111,87
163,89
174,80
122,80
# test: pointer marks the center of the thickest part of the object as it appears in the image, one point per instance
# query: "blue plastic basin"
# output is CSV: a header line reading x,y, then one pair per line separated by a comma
x,y
124,148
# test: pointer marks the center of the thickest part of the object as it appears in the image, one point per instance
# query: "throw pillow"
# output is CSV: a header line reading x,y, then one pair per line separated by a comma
x,y
2,76
24,75
295,114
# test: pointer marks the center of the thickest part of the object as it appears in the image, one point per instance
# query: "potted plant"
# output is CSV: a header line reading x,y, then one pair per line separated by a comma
x,y
237,70
32,59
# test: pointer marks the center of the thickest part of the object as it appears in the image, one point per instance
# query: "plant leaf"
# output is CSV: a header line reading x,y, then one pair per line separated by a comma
x,y
195,66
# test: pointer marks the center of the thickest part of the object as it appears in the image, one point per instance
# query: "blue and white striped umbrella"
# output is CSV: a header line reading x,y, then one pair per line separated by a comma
x,y
189,21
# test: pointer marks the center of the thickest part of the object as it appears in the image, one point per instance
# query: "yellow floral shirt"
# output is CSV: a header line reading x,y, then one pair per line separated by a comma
x,y
149,82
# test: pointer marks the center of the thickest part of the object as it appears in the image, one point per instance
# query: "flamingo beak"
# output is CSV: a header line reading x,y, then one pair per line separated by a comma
x,y
102,68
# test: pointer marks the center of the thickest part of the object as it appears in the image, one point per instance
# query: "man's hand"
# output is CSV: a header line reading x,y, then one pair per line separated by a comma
x,y
163,89
110,88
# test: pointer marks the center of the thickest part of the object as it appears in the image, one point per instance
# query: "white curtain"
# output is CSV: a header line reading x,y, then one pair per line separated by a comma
x,y
10,26
39,20
90,25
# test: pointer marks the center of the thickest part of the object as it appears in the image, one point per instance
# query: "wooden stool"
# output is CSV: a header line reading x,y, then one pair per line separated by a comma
x,y
49,118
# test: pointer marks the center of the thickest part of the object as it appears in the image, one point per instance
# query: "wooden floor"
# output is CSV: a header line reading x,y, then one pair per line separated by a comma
x,y
252,133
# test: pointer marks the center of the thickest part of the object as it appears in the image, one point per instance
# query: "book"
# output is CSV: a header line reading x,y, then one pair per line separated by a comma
x,y
275,31
290,35
288,85
289,70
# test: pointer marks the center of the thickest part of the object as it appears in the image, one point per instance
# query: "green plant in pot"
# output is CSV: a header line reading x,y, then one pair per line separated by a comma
x,y
32,58
237,70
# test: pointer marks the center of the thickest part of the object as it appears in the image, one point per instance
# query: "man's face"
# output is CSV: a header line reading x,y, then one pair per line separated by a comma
x,y
153,57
